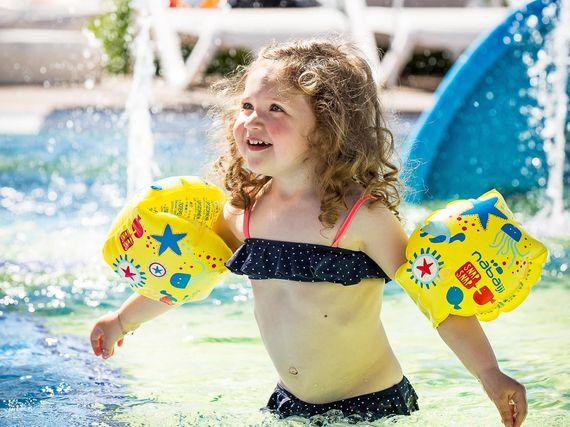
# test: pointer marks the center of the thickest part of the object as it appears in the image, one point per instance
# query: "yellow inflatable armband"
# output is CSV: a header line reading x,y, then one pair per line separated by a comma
x,y
161,242
471,258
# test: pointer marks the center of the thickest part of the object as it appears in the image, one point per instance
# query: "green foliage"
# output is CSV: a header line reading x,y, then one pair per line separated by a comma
x,y
429,63
224,62
113,29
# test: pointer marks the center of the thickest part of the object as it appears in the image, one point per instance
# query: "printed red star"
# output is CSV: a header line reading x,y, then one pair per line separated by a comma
x,y
128,273
425,268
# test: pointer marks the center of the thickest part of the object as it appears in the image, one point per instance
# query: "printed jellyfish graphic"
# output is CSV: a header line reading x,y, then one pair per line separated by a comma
x,y
506,241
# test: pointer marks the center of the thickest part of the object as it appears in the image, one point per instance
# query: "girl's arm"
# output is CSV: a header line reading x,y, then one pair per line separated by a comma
x,y
384,240
227,226
466,338
110,328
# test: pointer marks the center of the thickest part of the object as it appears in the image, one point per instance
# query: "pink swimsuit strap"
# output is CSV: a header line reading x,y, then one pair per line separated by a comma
x,y
245,227
361,200
341,230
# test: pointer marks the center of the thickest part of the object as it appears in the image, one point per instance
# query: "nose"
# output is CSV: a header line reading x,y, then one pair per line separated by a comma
x,y
252,121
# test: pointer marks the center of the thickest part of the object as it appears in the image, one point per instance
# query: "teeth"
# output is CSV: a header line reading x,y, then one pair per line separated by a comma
x,y
257,142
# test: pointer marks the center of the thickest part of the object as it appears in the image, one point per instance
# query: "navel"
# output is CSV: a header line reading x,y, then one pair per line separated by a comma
x,y
293,370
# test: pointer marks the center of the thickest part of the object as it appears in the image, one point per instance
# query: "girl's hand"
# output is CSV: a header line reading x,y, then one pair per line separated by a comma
x,y
107,332
508,395
110,328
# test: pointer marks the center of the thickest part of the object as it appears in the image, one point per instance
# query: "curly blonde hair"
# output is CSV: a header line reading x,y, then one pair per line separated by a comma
x,y
350,141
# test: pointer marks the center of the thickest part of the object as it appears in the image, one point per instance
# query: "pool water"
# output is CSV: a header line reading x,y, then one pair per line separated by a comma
x,y
202,364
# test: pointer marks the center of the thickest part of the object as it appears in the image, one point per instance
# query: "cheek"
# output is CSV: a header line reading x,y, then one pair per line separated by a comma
x,y
278,129
239,135
238,129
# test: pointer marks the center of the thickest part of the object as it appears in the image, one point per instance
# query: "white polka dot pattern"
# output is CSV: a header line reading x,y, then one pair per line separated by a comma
x,y
303,262
400,399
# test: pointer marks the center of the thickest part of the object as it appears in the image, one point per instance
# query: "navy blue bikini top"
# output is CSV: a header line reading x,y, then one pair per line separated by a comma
x,y
303,262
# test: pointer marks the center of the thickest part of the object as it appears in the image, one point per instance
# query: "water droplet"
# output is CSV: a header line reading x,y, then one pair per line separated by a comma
x,y
532,21
51,341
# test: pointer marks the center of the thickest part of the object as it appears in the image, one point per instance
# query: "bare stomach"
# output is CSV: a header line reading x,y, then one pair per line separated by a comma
x,y
325,340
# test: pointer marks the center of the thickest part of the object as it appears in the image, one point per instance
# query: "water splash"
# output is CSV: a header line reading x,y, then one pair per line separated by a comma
x,y
140,153
550,72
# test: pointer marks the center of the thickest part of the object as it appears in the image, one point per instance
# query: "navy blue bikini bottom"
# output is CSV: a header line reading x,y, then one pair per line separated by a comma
x,y
400,399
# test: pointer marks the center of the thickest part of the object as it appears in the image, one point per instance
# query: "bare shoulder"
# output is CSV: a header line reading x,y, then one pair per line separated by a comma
x,y
378,213
228,225
382,236
376,218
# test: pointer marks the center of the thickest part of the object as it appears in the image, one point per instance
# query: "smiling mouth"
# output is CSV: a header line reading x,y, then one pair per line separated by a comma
x,y
257,144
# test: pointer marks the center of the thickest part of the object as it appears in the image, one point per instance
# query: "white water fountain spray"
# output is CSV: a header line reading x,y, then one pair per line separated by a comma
x,y
551,71
140,152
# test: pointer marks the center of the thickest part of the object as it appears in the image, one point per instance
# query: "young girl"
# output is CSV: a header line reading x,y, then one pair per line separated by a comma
x,y
313,219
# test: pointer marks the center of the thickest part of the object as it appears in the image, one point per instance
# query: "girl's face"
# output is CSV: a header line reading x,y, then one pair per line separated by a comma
x,y
273,125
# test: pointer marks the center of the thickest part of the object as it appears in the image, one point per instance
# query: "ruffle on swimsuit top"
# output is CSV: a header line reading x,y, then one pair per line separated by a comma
x,y
303,262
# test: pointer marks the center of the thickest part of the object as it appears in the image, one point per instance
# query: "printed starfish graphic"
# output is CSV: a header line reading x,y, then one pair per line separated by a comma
x,y
425,268
128,273
169,240
484,208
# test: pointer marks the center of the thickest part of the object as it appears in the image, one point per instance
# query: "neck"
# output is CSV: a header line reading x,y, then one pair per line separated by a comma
x,y
295,186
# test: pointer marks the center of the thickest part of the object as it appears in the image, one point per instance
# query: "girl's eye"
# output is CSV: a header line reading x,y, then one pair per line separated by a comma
x,y
247,106
276,108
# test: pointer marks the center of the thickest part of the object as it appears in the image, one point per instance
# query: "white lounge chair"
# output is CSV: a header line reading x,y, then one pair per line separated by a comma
x,y
452,28
407,29
227,28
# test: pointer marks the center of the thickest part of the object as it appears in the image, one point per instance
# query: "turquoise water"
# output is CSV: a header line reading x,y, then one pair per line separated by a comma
x,y
202,364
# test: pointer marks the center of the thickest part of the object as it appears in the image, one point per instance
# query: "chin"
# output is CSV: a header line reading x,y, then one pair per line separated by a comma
x,y
258,169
